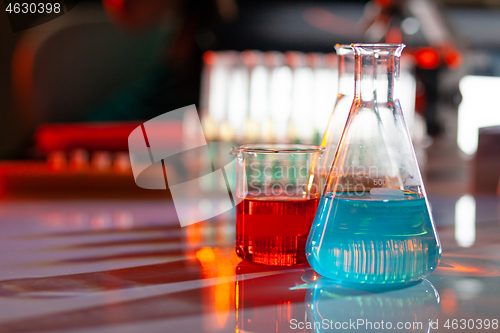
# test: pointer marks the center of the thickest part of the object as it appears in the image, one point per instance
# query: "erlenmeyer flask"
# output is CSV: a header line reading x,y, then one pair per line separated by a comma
x,y
345,95
373,224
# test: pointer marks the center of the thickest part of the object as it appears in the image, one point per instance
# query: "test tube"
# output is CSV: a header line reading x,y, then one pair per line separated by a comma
x,y
280,89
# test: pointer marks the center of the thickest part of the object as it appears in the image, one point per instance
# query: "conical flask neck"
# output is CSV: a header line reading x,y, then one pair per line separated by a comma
x,y
377,72
345,69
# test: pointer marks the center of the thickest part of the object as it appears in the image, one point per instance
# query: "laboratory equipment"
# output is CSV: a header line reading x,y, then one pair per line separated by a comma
x,y
278,190
373,225
255,96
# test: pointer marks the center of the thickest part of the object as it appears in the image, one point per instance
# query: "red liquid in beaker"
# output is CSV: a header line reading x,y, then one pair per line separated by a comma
x,y
274,232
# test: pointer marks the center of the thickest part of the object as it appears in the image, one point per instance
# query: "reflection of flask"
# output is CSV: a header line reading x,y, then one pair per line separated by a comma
x,y
342,106
267,301
348,309
373,224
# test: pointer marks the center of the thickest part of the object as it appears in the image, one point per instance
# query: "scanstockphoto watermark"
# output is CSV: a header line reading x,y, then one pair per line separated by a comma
x,y
379,175
371,171
357,180
282,180
358,324
293,180
276,188
197,196
279,171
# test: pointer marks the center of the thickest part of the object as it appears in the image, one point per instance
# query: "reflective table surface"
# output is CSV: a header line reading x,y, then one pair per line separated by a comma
x,y
127,266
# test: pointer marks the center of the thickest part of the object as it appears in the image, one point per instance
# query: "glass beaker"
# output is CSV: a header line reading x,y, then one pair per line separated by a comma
x,y
373,224
345,96
278,190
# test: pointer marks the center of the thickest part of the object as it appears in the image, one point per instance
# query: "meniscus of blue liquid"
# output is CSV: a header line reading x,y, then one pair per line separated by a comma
x,y
373,240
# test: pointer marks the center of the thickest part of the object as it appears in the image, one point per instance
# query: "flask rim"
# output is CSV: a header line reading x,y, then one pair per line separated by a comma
x,y
374,48
378,45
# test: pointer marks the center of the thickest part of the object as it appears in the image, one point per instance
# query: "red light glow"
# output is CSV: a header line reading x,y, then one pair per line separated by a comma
x,y
428,58
453,58
210,57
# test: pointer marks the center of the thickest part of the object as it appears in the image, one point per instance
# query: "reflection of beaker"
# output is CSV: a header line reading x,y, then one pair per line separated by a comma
x,y
333,307
278,192
342,106
373,224
266,300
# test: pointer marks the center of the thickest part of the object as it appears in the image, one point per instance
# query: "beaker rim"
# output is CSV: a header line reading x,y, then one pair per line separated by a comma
x,y
344,46
344,49
279,148
381,45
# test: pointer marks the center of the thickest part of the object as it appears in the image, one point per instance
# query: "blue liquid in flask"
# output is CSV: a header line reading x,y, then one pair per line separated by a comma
x,y
371,240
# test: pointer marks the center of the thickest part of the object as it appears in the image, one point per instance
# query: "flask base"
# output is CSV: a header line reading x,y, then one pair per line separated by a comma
x,y
368,286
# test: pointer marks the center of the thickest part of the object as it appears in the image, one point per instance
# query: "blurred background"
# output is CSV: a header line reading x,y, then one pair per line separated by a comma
x,y
73,87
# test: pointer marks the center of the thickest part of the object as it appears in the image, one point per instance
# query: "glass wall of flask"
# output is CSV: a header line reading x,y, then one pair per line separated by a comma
x,y
373,224
343,103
